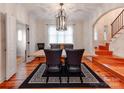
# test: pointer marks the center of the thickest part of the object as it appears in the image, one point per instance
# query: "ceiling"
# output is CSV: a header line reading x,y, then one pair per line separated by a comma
x,y
48,11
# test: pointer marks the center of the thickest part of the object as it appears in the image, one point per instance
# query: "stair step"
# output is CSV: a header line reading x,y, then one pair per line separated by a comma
x,y
114,67
103,52
101,47
108,59
107,45
118,59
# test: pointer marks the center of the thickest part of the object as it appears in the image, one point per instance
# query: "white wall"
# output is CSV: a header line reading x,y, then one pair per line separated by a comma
x,y
20,14
78,35
42,34
15,10
90,22
105,20
2,48
32,22
87,36
117,45
33,30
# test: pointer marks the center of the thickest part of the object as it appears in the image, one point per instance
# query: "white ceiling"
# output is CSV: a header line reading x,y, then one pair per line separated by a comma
x,y
48,11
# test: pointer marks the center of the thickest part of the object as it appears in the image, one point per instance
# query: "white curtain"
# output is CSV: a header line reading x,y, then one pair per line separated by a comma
x,y
55,36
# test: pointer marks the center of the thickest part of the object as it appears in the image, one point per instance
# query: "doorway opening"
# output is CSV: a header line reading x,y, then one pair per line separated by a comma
x,y
22,42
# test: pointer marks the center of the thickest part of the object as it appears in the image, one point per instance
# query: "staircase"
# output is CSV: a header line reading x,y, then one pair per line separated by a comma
x,y
103,50
104,57
117,26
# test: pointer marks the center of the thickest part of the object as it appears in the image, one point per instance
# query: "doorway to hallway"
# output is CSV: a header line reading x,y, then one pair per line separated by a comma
x,y
22,42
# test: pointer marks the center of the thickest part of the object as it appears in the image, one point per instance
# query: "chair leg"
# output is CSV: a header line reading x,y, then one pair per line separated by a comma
x,y
60,76
47,79
68,77
68,80
67,74
60,79
81,78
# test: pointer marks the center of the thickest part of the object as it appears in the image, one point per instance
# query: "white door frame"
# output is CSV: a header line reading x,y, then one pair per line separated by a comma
x,y
2,48
10,46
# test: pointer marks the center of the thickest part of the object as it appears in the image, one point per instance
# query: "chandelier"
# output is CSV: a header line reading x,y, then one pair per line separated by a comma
x,y
61,19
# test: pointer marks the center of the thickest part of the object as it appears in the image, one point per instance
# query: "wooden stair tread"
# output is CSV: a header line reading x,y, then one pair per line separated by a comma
x,y
113,58
107,60
104,53
104,47
102,50
113,66
116,68
110,63
117,58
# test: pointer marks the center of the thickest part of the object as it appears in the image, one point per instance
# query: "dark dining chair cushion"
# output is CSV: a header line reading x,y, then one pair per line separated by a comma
x,y
74,69
53,69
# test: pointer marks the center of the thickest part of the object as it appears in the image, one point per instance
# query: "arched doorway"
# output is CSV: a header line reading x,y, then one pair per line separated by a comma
x,y
102,27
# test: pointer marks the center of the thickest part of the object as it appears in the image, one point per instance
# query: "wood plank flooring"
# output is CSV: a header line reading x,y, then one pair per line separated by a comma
x,y
116,67
24,70
109,78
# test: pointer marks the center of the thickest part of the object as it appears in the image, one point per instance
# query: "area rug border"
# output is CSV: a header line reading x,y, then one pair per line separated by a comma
x,y
103,84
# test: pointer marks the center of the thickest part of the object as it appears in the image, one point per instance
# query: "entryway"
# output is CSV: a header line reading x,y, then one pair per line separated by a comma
x,y
21,42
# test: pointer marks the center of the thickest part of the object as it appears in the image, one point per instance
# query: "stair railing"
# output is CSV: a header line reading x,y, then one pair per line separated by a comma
x,y
117,24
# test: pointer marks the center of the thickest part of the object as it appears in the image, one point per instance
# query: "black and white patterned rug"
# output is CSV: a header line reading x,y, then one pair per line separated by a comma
x,y
39,79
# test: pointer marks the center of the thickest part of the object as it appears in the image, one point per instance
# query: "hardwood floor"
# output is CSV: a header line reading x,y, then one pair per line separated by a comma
x,y
109,78
109,63
24,70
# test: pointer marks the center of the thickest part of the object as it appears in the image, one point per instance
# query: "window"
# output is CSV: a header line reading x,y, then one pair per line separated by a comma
x,y
95,35
60,36
105,32
19,35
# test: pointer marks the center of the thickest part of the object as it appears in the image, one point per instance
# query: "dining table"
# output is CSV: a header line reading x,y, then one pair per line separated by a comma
x,y
41,53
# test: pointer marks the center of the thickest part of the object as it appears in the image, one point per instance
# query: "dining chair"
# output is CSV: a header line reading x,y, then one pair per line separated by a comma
x,y
55,46
40,46
53,61
73,61
68,46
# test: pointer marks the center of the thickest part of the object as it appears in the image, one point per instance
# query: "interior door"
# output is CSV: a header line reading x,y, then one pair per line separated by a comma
x,y
10,46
